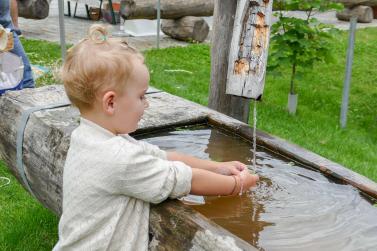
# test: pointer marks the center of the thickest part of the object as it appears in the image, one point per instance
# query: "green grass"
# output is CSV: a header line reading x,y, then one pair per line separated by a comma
x,y
192,82
43,53
26,225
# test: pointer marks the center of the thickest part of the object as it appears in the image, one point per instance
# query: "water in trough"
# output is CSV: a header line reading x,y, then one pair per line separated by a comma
x,y
292,208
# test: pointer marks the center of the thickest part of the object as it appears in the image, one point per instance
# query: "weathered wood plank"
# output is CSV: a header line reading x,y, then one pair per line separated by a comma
x,y
248,52
170,9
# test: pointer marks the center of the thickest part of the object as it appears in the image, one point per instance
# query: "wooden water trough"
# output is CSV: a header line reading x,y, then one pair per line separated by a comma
x,y
44,141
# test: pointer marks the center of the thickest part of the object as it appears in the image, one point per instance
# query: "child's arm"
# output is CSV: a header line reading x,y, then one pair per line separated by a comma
x,y
225,168
209,183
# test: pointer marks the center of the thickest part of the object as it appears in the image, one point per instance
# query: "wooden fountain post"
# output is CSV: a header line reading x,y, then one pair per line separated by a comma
x,y
239,55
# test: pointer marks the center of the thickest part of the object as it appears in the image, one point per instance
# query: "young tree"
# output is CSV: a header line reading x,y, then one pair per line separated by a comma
x,y
298,42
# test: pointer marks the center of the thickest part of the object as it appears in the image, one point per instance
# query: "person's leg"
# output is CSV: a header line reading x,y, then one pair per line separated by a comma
x,y
14,13
5,19
27,81
6,22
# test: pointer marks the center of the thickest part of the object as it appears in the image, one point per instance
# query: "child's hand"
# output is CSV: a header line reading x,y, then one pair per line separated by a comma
x,y
247,180
229,168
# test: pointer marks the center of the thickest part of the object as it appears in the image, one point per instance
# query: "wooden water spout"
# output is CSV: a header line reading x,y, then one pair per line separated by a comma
x,y
248,51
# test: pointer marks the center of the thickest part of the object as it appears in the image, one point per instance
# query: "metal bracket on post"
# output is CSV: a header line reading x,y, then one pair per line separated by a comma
x,y
347,78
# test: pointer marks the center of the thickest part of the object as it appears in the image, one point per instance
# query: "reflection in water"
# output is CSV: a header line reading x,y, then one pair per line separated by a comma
x,y
292,208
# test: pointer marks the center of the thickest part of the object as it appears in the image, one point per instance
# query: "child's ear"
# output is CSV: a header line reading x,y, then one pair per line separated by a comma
x,y
108,100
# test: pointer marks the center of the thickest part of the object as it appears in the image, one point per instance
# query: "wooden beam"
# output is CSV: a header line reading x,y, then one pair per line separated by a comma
x,y
223,21
249,48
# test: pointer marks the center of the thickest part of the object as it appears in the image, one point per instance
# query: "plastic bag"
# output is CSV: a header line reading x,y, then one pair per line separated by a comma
x,y
11,72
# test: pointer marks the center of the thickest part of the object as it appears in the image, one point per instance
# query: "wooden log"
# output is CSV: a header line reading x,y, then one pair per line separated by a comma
x,y
34,9
192,29
223,21
374,8
170,9
173,225
352,3
364,14
248,52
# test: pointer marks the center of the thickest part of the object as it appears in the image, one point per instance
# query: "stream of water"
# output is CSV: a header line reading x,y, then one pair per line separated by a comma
x,y
255,135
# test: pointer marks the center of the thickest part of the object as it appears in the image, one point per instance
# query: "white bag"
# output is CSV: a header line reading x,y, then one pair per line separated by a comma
x,y
11,71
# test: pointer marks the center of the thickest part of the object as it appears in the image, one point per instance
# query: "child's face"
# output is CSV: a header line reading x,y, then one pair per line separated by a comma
x,y
130,106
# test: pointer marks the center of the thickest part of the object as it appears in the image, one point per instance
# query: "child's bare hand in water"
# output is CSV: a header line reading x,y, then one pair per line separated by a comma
x,y
248,180
229,168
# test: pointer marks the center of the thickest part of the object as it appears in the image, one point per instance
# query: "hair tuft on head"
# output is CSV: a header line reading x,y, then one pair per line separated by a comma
x,y
98,33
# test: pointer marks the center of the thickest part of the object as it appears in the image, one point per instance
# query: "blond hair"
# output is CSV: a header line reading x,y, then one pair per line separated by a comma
x,y
97,63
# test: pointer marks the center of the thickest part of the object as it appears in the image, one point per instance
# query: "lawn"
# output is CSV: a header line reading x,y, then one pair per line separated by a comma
x,y
26,225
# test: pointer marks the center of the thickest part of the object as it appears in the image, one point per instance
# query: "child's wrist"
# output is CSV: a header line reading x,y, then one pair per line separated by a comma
x,y
241,181
237,185
234,186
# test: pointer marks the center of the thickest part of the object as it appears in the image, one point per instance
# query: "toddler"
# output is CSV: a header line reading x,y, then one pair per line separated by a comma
x,y
110,178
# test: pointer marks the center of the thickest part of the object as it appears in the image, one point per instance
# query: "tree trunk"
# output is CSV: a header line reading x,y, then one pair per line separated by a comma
x,y
33,9
186,28
170,9
236,107
249,49
364,14
293,76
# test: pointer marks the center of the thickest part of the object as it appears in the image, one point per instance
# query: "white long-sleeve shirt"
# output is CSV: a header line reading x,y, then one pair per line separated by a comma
x,y
108,183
